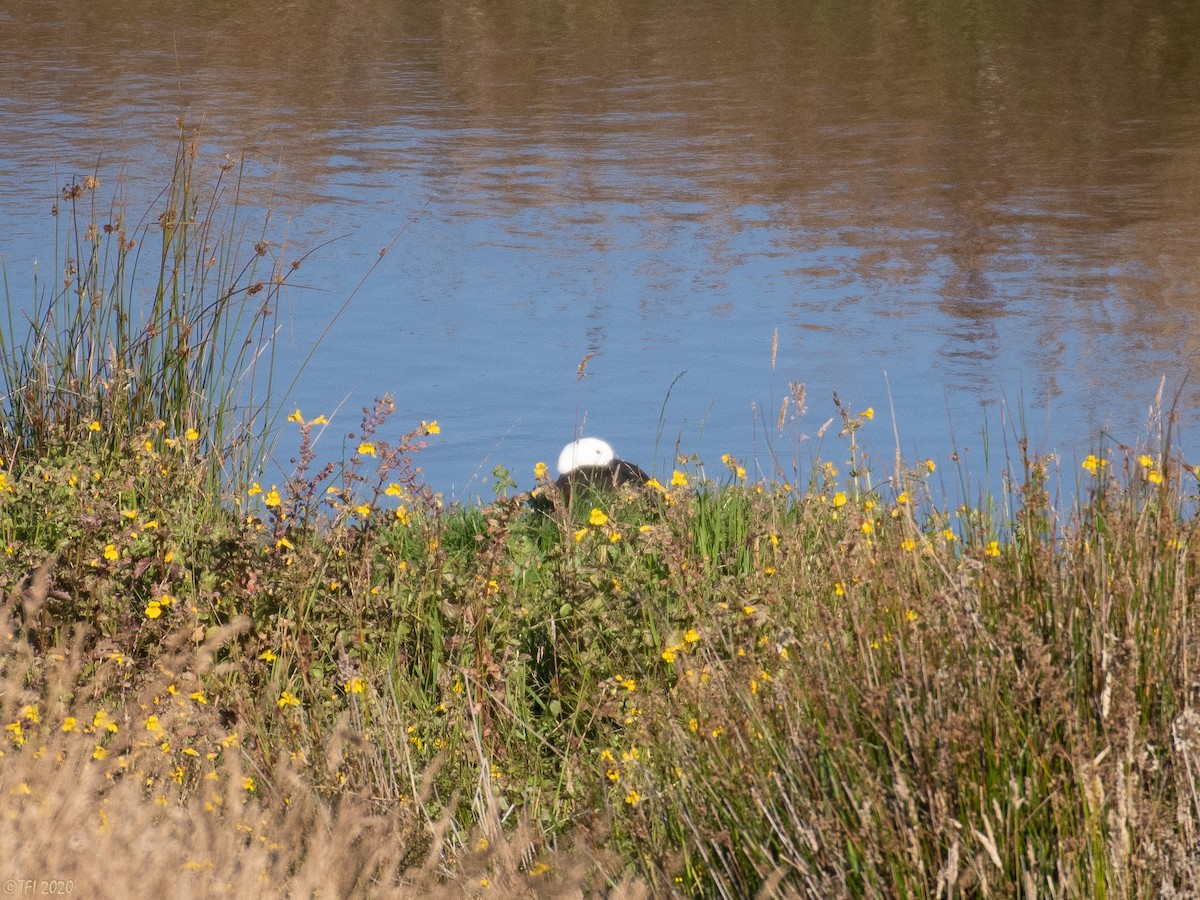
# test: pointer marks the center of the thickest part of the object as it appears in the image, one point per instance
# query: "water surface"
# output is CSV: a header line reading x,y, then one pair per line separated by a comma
x,y
976,214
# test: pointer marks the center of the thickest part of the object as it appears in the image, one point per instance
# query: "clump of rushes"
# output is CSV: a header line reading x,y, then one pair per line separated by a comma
x,y
163,320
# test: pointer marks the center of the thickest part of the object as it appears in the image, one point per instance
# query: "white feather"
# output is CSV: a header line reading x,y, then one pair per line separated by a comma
x,y
584,452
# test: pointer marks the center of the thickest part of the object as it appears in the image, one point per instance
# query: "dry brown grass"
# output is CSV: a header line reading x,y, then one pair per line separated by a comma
x,y
99,798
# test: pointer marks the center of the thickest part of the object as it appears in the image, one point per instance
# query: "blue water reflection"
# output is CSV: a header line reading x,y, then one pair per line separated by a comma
x,y
946,247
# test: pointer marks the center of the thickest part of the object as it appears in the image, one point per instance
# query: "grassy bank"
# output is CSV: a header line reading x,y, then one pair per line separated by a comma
x,y
336,685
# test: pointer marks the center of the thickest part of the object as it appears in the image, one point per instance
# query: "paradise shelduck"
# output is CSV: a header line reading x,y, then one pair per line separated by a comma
x,y
589,463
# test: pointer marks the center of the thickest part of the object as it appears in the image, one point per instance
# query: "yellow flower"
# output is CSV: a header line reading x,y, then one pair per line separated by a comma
x,y
691,636
1152,474
580,534
111,552
908,544
540,471
929,465
152,725
287,698
597,517
402,515
838,589
69,723
366,448
99,752
296,417
868,413
255,488
153,610
633,798
356,686
272,498
95,426
993,549
363,510
668,655
1094,464
678,479
432,427
839,499
732,465
192,434
268,655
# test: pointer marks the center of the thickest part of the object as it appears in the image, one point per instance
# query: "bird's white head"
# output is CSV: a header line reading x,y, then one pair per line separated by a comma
x,y
584,452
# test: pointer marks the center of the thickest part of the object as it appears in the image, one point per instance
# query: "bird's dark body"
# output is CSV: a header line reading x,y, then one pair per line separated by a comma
x,y
607,477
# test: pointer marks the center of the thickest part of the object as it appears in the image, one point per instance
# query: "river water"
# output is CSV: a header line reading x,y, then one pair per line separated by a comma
x,y
984,216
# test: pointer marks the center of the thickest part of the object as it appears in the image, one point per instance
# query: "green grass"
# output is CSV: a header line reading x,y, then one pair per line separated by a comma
x,y
338,685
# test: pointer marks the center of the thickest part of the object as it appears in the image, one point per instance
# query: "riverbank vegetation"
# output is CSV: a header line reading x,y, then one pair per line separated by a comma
x,y
836,685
